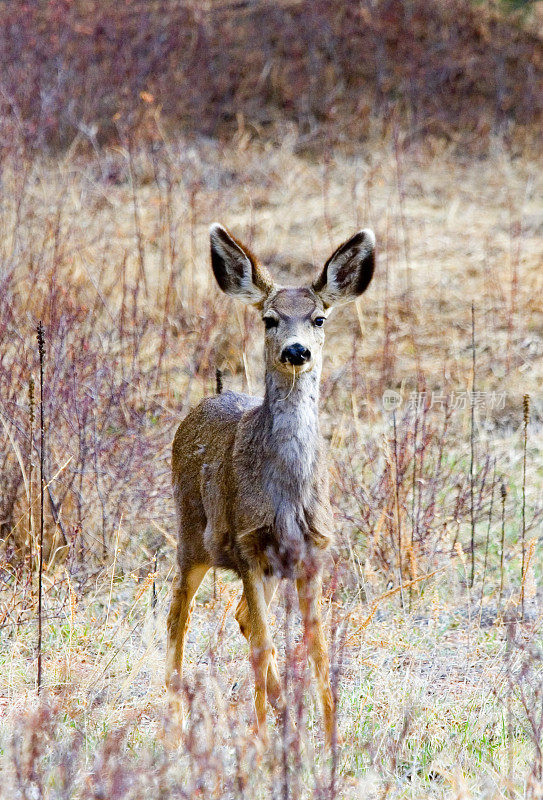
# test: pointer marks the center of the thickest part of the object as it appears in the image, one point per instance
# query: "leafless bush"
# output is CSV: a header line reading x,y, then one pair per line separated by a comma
x,y
87,68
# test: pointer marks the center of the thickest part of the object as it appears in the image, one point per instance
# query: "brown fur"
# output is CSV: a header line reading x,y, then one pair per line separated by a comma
x,y
250,477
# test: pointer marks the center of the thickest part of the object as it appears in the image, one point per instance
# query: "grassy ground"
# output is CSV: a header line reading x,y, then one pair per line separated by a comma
x,y
438,697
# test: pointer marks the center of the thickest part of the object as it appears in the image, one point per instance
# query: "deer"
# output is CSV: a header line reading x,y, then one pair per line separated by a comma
x,y
250,474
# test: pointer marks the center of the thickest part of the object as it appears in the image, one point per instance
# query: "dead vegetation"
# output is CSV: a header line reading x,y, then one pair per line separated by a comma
x,y
111,253
334,72
438,677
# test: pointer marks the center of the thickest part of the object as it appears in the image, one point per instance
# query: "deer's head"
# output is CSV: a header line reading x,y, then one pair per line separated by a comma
x,y
294,316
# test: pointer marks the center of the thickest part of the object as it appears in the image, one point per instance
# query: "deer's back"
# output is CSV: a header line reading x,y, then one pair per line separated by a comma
x,y
207,432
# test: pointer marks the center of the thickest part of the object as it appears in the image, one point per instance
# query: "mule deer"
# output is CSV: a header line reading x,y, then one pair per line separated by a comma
x,y
250,477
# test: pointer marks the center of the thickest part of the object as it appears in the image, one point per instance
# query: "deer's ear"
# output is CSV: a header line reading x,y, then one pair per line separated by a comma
x,y
236,269
348,271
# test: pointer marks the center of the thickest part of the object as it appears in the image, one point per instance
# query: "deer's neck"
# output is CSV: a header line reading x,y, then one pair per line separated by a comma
x,y
290,422
287,435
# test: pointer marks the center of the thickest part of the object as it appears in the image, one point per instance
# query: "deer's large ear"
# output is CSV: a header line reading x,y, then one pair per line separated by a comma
x,y
348,271
236,269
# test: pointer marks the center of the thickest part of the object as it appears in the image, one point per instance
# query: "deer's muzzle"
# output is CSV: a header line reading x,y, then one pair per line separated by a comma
x,y
295,354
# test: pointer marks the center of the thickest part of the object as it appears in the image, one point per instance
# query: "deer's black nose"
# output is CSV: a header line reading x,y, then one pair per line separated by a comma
x,y
295,354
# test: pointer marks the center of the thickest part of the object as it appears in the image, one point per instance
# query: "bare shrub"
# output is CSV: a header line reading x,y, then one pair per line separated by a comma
x,y
82,69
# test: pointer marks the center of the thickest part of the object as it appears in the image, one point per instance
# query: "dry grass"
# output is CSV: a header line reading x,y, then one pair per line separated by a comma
x,y
437,699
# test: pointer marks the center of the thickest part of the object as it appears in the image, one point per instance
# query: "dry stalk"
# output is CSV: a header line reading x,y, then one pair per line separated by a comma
x,y
503,491
154,594
385,596
31,417
41,350
398,519
401,204
137,221
526,416
487,539
472,450
413,496
530,554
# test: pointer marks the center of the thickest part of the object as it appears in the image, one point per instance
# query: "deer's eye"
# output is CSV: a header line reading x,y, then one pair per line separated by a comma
x,y
270,322
318,322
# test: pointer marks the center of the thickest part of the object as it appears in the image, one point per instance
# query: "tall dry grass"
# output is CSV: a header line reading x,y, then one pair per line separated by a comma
x,y
438,697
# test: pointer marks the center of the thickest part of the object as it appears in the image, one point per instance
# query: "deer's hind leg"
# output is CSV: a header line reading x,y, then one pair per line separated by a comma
x,y
185,586
273,681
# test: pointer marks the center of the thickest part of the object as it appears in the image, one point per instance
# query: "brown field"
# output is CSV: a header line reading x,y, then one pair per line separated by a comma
x,y
435,698
440,691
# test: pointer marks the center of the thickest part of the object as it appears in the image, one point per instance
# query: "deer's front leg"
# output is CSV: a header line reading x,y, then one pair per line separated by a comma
x,y
262,648
273,681
309,595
